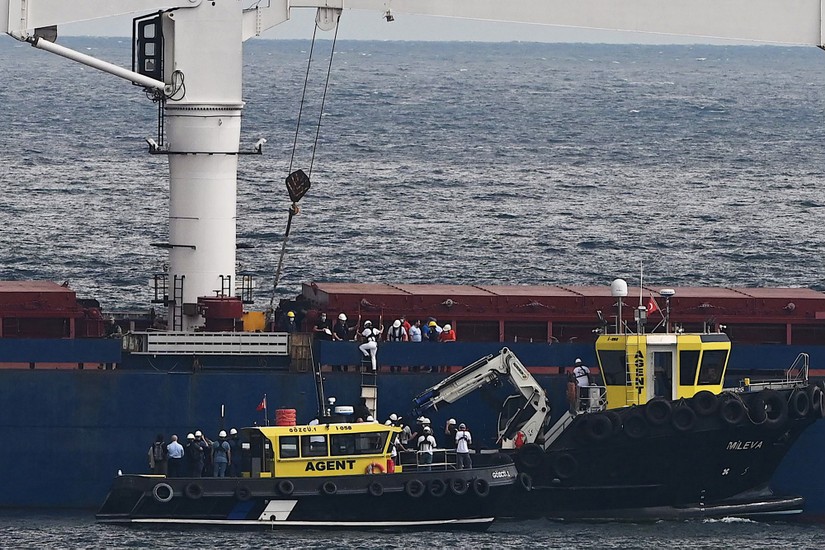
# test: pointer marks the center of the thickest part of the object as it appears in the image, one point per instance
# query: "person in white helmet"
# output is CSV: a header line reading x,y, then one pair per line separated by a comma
x,y
582,374
221,455
370,337
235,453
194,455
396,333
463,440
342,332
449,432
426,444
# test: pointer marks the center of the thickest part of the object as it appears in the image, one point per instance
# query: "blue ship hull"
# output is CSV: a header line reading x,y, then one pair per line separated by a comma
x,y
72,430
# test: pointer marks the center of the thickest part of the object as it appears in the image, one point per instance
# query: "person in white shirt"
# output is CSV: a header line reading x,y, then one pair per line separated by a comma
x,y
175,455
370,337
415,332
582,374
463,440
426,444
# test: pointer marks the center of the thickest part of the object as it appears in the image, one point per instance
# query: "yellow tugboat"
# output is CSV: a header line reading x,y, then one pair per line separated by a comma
x,y
331,474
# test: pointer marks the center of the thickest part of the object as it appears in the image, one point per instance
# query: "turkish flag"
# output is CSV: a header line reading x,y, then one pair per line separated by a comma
x,y
262,405
651,306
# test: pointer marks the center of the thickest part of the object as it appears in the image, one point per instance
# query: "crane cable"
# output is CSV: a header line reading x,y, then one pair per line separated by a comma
x,y
298,175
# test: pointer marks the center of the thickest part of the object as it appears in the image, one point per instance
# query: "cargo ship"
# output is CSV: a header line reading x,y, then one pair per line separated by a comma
x,y
87,392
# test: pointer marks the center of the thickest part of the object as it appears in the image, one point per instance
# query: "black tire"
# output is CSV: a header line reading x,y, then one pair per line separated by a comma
x,y
815,397
459,486
732,412
776,408
615,419
531,455
193,491
329,488
242,493
375,489
565,465
799,405
704,403
657,411
635,426
414,488
597,427
683,419
756,409
437,488
525,482
481,487
286,487
162,492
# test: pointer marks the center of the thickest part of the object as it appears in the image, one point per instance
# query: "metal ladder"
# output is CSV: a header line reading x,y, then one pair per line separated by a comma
x,y
177,302
369,391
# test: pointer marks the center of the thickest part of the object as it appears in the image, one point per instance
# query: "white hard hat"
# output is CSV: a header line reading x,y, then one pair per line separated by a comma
x,y
368,323
342,317
198,433
396,323
233,431
578,361
451,421
393,417
388,423
221,433
427,430
370,418
425,421
448,327
420,419
462,426
190,436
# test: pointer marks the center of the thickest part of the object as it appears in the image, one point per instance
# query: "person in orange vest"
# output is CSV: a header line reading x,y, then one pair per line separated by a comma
x,y
448,334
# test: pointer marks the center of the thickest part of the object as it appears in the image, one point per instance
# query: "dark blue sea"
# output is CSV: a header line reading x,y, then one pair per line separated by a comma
x,y
437,162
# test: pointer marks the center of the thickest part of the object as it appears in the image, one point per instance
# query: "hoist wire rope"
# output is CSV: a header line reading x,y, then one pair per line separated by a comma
x,y
324,97
303,97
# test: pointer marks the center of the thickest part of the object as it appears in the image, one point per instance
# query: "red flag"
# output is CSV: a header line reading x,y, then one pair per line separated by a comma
x,y
651,306
262,405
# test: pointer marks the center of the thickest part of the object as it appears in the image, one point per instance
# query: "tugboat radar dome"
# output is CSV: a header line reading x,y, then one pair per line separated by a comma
x,y
667,292
618,288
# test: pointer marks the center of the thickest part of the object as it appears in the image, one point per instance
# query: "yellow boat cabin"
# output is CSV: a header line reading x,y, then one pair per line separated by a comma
x,y
321,450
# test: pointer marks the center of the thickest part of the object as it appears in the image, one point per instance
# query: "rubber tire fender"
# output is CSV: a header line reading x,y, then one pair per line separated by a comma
x,y
242,493
635,426
756,409
683,419
799,405
481,487
815,396
776,408
459,486
565,465
525,482
286,487
164,487
704,403
375,489
414,488
657,411
615,419
193,491
437,487
732,412
530,455
329,488
597,427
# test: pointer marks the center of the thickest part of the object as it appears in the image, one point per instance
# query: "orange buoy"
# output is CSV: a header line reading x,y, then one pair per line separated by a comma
x,y
285,417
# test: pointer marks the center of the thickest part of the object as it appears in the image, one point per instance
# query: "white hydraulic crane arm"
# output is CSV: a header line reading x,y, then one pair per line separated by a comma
x,y
772,21
20,17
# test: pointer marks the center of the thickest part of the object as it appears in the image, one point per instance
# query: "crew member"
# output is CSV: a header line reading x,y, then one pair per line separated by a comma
x,y
323,328
370,346
582,374
426,444
175,455
463,440
221,455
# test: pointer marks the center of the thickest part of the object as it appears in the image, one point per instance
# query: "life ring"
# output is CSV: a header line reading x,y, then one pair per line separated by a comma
x,y
193,491
163,492
635,425
799,405
374,468
704,403
565,465
732,412
597,427
459,486
242,493
683,419
530,455
776,408
657,411
414,488
815,397
437,487
375,489
329,488
525,481
481,487
285,487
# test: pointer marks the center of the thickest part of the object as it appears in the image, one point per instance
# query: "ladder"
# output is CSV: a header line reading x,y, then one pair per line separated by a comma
x,y
177,302
369,390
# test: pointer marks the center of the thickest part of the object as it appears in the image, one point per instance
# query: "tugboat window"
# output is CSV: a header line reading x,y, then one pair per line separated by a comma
x,y
313,445
713,362
288,446
358,444
688,363
614,367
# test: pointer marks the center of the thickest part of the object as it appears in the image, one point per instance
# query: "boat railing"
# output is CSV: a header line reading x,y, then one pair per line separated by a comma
x,y
595,401
206,343
795,376
443,459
